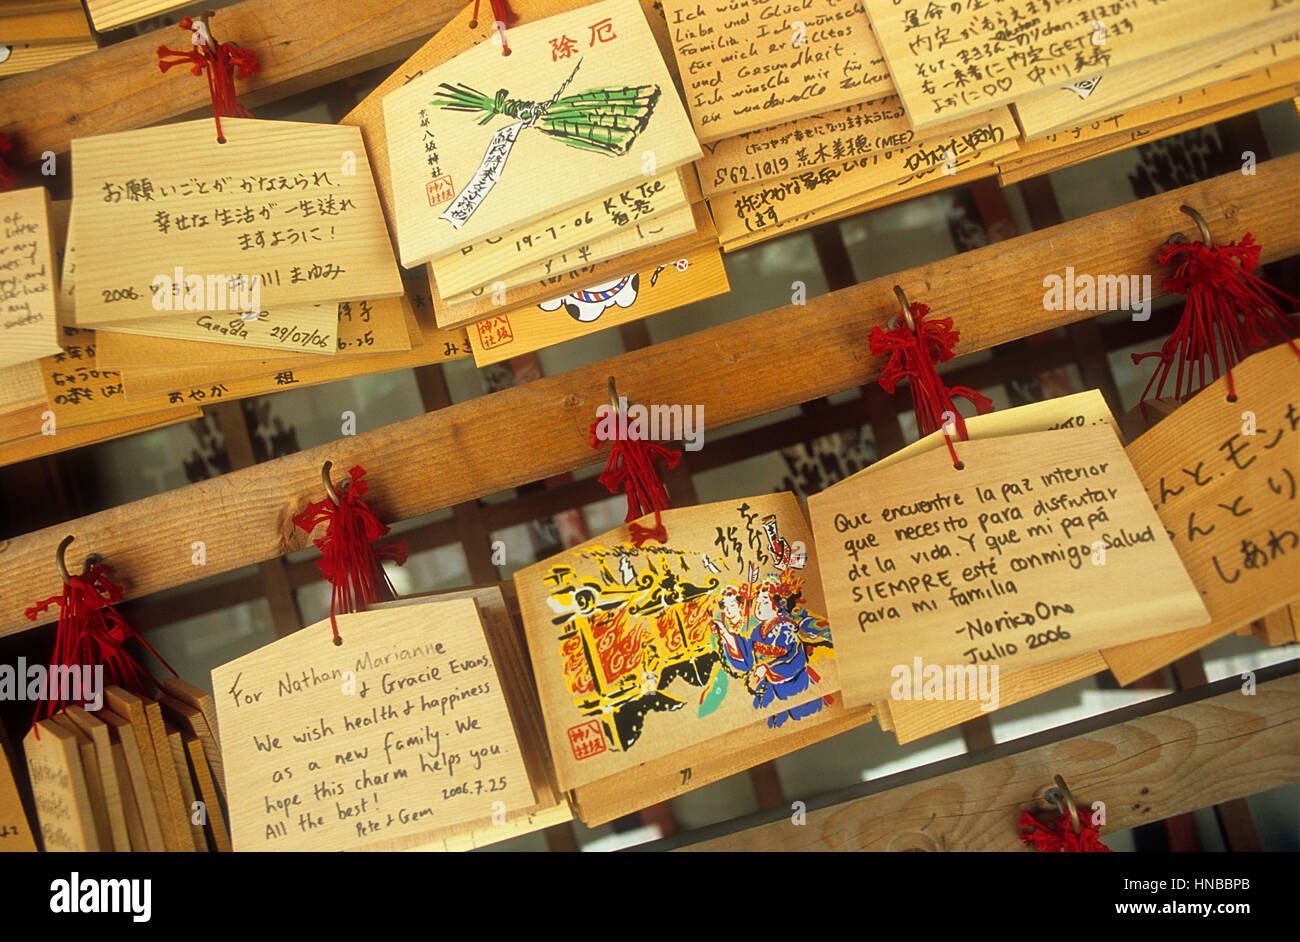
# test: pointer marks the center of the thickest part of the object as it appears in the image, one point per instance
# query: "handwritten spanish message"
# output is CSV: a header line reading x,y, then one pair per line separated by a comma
x,y
953,59
385,741
1041,546
27,324
167,220
749,64
1224,476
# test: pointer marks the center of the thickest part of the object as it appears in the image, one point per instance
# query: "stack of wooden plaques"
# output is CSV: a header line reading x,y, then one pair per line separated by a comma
x,y
1135,73
622,232
136,774
800,121
37,33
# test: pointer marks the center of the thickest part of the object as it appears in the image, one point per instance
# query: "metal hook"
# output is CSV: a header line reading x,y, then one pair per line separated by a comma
x,y
329,485
1200,224
207,31
1064,801
613,395
59,563
906,308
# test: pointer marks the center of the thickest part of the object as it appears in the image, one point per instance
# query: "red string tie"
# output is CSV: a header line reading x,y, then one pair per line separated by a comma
x,y
91,632
350,561
630,466
913,354
504,15
223,63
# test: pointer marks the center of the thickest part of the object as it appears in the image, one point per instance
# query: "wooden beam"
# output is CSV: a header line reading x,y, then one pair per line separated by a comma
x,y
300,44
735,371
1147,762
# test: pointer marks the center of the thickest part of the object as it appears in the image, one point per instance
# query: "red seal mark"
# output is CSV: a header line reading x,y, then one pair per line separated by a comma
x,y
586,740
440,190
495,332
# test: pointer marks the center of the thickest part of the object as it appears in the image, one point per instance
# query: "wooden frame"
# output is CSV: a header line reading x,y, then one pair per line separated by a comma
x,y
455,454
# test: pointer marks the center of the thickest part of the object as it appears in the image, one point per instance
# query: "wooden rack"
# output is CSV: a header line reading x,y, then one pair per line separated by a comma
x,y
459,452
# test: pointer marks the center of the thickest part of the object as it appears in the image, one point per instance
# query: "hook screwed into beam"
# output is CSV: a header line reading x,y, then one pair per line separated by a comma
x,y
906,307
329,485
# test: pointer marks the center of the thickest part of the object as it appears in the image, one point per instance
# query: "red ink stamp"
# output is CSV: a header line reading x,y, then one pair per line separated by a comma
x,y
586,740
440,190
495,332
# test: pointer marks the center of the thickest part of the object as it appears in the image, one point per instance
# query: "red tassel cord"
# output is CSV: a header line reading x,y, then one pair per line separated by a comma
x,y
1228,311
223,63
350,561
91,632
631,467
1060,837
8,178
504,15
913,354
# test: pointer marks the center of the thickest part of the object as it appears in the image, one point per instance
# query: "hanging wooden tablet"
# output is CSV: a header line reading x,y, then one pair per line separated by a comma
x,y
949,61
481,263
1044,112
110,14
169,222
28,330
164,794
642,651
677,224
67,820
582,107
913,717
577,313
15,830
750,64
90,769
143,788
116,798
382,742
871,127
1224,476
1039,546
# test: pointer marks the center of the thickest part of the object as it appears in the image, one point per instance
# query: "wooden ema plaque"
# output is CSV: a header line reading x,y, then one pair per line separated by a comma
x,y
949,60
1039,547
643,652
27,287
59,786
15,831
290,203
583,107
749,64
1225,479
379,743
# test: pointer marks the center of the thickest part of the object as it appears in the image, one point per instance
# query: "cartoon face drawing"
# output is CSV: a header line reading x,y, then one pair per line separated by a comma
x,y
586,306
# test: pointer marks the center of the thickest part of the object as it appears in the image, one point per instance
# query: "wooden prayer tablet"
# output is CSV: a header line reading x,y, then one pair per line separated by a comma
x,y
206,791
642,652
1225,479
116,798
141,787
15,831
63,805
1041,546
486,143
169,222
1152,80
28,330
381,742
628,297
643,202
749,64
110,14
949,60
92,770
